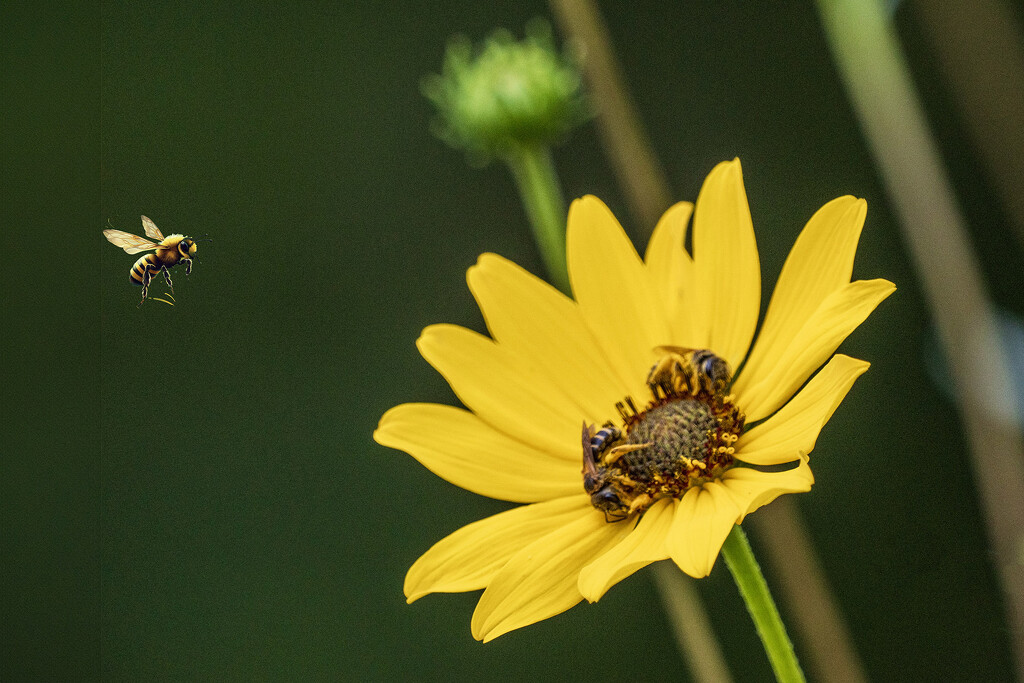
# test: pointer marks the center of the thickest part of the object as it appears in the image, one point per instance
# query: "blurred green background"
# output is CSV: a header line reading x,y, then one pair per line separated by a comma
x,y
249,526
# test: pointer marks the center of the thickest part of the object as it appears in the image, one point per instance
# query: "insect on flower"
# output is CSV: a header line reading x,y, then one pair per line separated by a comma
x,y
683,437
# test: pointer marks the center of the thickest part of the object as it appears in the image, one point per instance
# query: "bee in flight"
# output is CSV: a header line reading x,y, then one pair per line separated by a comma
x,y
166,253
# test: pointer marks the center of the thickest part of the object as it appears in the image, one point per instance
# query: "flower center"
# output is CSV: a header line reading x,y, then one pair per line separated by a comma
x,y
684,437
675,432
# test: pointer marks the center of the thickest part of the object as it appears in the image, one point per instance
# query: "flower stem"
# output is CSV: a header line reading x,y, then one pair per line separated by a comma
x,y
535,175
745,571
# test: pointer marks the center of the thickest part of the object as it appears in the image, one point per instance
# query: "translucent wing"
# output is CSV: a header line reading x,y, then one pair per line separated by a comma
x,y
152,231
132,244
590,474
681,350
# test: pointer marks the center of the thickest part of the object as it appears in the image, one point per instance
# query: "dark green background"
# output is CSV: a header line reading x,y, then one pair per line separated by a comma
x,y
247,525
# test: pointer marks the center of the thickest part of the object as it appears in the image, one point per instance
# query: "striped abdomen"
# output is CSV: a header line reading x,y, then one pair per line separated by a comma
x,y
603,436
137,274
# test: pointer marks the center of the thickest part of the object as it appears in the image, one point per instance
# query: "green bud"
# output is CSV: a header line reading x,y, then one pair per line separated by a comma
x,y
509,96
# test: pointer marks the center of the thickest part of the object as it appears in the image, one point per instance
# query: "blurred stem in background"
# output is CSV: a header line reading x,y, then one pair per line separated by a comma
x,y
633,160
513,101
980,50
872,65
806,593
690,624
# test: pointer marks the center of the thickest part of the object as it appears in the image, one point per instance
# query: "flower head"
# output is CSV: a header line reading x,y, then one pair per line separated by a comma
x,y
510,94
615,415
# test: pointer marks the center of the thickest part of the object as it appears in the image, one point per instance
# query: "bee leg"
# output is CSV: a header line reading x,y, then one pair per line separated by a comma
x,y
146,278
624,480
188,266
613,454
640,503
659,372
167,276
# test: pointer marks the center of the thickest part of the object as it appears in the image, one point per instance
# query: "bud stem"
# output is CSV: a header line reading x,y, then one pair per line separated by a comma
x,y
534,172
739,557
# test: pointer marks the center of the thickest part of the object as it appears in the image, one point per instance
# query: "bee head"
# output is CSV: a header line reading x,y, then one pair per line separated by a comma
x,y
713,372
718,370
608,501
188,247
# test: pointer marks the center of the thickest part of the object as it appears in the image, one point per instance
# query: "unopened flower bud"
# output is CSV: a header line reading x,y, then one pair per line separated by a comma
x,y
510,95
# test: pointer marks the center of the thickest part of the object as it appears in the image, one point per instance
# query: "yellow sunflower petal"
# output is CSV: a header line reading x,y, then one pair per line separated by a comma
x,y
534,320
645,544
540,580
726,268
819,263
469,558
702,520
614,292
752,489
794,429
506,391
665,253
458,446
671,272
837,316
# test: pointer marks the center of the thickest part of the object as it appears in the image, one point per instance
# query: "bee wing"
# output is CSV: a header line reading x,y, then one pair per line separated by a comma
x,y
152,231
680,350
132,244
589,464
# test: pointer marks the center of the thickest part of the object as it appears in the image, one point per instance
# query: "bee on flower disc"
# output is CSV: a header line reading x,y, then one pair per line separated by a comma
x,y
166,253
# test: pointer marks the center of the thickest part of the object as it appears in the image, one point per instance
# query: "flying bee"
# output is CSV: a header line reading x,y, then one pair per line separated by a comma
x,y
690,371
166,253
611,490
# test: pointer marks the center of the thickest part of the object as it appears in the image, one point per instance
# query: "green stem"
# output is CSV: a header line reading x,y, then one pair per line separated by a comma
x,y
535,175
745,571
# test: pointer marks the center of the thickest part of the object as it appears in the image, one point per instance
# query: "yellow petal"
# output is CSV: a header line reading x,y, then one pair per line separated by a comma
x,y
534,320
645,544
540,580
794,429
469,558
666,254
458,446
837,316
614,292
703,518
671,272
727,271
751,489
505,390
819,263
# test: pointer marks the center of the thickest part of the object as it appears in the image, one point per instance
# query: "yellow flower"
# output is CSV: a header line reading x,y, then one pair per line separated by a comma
x,y
554,363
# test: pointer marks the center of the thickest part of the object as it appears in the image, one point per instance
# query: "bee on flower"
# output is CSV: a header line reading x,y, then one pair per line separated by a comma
x,y
675,449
